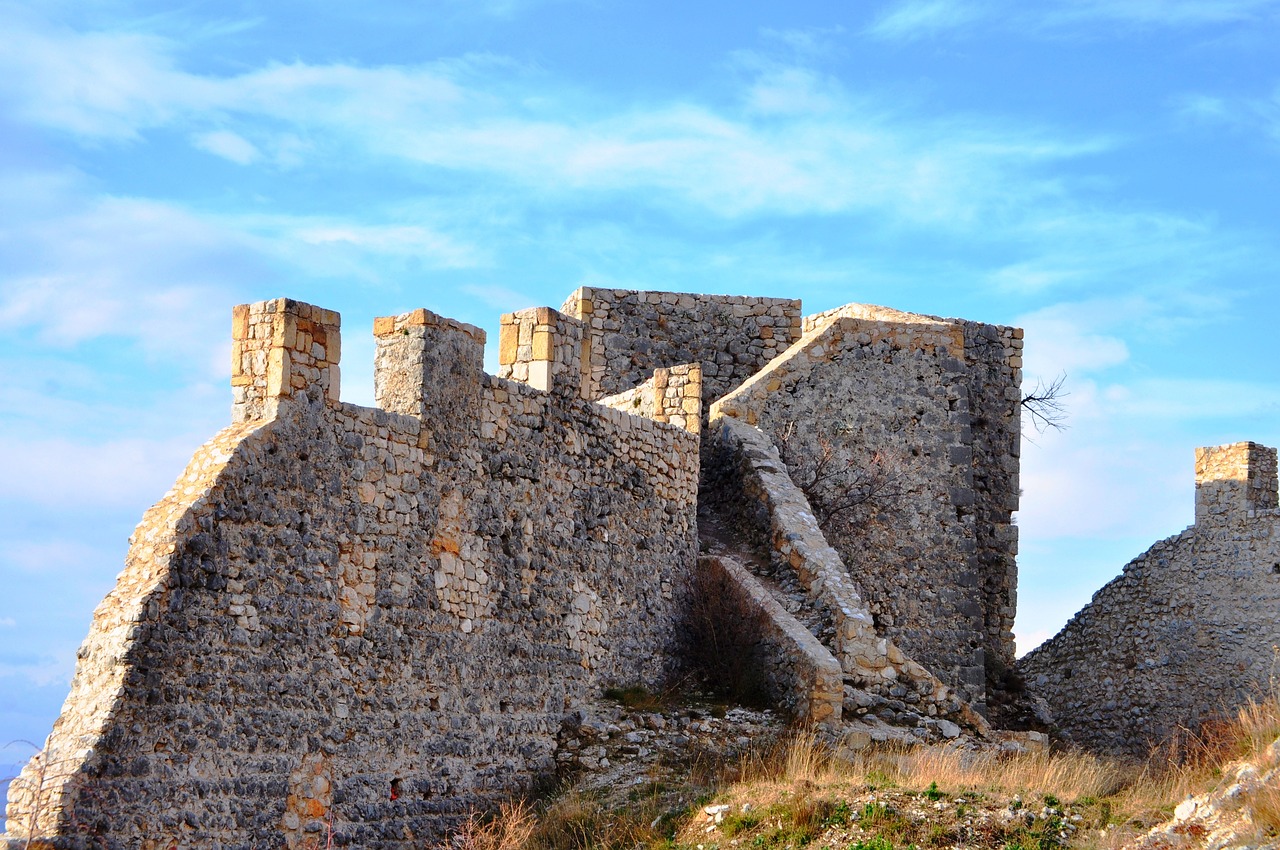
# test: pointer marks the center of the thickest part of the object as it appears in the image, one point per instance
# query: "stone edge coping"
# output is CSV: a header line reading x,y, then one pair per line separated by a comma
x,y
818,686
801,355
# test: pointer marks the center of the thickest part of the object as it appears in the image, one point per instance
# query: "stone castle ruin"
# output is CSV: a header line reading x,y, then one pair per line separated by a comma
x,y
335,601
1189,629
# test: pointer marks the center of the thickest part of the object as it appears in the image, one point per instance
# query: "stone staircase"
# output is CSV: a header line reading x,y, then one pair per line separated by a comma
x,y
750,512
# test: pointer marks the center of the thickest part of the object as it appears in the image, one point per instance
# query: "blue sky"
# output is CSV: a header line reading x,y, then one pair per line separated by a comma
x,y
1101,172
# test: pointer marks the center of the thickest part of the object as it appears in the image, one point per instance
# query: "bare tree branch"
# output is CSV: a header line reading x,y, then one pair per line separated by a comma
x,y
1044,405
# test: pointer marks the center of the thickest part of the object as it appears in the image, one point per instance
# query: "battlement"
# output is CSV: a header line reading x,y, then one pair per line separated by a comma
x,y
543,348
282,349
1235,481
428,366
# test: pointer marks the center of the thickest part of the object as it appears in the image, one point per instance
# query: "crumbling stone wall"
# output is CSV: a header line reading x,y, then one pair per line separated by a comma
x,y
993,385
630,334
1187,630
369,619
741,467
801,675
889,400
672,395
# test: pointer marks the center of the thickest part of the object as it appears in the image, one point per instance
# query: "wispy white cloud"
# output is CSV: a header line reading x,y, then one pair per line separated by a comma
x,y
923,18
228,145
914,19
1249,114
808,42
798,145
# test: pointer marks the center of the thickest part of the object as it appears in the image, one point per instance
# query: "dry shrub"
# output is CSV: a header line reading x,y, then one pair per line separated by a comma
x,y
1264,808
509,829
1069,775
724,635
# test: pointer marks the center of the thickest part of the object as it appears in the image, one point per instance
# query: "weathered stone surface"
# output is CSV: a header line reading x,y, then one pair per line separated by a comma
x,y
630,334
372,620
336,598
885,394
1188,629
804,678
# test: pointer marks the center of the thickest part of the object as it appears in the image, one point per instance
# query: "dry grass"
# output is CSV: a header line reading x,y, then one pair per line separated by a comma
x,y
509,829
798,789
1192,763
1071,775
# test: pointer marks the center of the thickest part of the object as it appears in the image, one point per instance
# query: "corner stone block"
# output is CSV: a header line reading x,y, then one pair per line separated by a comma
x,y
1234,481
283,349
429,366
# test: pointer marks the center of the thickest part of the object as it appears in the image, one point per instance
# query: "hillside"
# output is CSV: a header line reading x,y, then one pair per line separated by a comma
x,y
699,777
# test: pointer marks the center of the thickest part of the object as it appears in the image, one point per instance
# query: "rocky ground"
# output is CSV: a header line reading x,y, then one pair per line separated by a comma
x,y
702,776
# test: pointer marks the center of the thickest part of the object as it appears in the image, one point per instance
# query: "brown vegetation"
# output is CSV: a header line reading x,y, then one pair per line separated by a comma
x,y
800,794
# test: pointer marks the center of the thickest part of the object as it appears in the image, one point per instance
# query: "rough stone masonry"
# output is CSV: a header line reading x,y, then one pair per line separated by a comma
x,y
373,620
1188,630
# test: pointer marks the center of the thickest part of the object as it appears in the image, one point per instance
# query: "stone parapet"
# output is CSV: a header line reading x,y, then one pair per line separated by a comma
x,y
672,395
802,674
282,349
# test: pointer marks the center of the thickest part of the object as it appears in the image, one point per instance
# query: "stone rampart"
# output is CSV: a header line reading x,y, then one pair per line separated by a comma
x,y
367,618
1187,630
872,419
375,619
741,466
629,334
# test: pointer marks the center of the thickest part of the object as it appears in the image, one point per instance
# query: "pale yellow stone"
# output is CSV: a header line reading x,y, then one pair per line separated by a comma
x,y
541,346
508,343
240,322
278,369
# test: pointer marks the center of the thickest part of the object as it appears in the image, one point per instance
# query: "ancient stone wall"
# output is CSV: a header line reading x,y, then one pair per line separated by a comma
x,y
742,468
367,619
1187,630
876,409
992,384
672,395
801,675
630,334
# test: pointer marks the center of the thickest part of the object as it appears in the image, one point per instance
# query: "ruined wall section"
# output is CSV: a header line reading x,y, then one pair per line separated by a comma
x,y
629,334
672,395
993,385
1187,630
800,674
742,468
343,601
888,402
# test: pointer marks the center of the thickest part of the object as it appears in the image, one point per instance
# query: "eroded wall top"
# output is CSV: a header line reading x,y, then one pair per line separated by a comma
x,y
629,334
